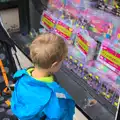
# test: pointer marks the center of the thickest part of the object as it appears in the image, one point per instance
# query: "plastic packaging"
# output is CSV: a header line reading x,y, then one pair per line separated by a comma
x,y
74,6
80,69
56,4
96,66
65,25
116,98
33,33
42,30
48,20
112,88
74,58
90,30
109,57
96,82
104,86
111,6
100,28
86,45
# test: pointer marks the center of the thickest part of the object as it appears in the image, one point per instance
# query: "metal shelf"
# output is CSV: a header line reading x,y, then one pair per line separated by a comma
x,y
88,88
81,92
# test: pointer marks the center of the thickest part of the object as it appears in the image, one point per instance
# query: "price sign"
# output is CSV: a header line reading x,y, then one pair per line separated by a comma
x,y
110,57
82,44
47,21
64,30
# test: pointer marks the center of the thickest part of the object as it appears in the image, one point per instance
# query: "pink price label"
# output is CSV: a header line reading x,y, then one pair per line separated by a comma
x,y
64,30
82,44
110,57
48,21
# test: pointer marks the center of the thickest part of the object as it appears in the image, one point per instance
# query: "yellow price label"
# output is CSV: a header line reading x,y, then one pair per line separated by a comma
x,y
111,57
82,45
48,22
64,30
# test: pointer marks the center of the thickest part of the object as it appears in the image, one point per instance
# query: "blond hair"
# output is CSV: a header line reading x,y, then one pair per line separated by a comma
x,y
47,49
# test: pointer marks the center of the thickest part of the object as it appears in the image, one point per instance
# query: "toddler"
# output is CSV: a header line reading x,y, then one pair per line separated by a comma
x,y
37,95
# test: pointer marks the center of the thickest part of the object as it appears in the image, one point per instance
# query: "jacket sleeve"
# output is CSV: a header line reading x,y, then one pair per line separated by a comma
x,y
52,109
60,108
27,105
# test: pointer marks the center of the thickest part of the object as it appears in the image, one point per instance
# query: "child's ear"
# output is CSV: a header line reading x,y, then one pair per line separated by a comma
x,y
54,64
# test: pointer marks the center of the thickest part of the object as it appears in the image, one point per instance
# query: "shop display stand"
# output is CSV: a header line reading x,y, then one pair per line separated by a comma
x,y
81,93
9,4
76,87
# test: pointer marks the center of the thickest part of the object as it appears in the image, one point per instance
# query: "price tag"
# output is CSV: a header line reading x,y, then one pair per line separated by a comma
x,y
47,21
64,30
82,44
110,58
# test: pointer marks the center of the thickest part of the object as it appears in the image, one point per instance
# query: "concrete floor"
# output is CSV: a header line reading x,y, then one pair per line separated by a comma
x,y
11,22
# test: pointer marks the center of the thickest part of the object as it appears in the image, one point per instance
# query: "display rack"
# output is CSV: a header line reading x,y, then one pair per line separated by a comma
x,y
81,92
77,87
8,4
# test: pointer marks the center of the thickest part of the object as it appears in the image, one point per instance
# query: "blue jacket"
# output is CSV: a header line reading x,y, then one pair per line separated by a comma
x,y
33,99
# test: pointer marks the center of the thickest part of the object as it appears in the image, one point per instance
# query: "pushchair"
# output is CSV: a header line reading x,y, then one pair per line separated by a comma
x,y
9,64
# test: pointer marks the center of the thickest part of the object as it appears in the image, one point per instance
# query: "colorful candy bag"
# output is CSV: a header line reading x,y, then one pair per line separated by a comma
x,y
99,82
111,6
116,98
55,4
96,81
111,90
73,59
96,66
100,27
71,6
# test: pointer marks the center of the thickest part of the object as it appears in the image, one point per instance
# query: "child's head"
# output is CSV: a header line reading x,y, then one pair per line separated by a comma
x,y
48,51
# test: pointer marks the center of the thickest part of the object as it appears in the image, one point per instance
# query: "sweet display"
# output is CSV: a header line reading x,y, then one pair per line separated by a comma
x,y
112,6
93,39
